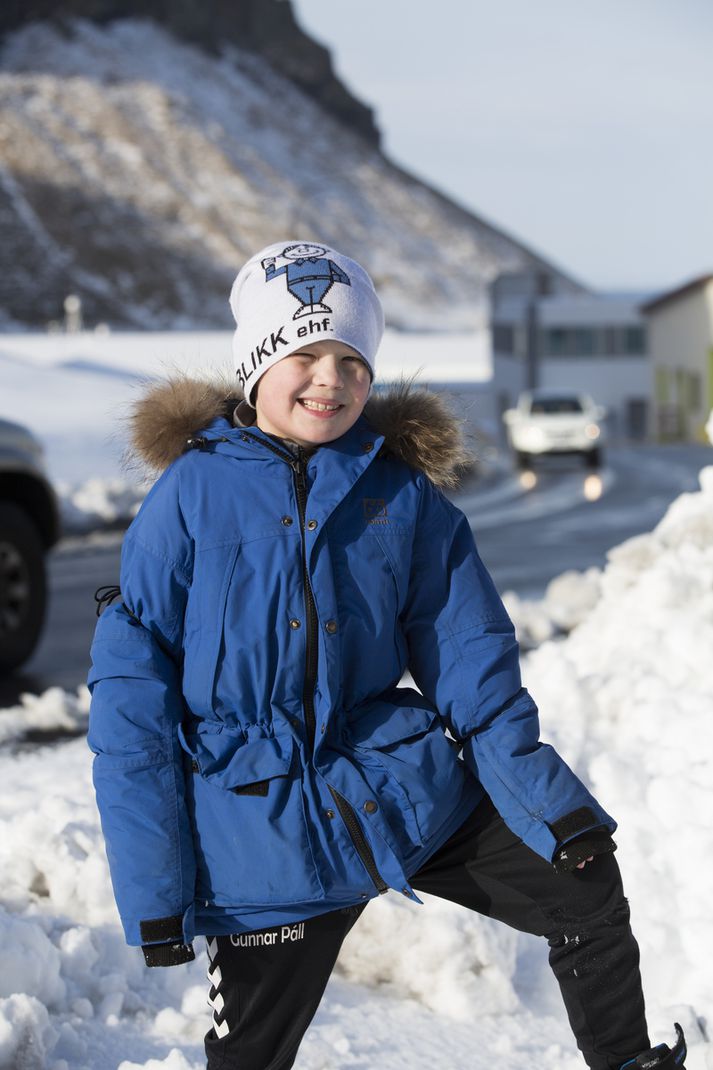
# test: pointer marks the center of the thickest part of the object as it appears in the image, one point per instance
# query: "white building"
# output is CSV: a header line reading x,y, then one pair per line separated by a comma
x,y
586,342
680,329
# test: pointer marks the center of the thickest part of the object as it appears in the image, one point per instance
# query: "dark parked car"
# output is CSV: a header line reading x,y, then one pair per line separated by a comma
x,y
29,527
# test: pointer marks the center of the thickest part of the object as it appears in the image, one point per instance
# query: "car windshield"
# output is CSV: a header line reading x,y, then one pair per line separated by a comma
x,y
555,405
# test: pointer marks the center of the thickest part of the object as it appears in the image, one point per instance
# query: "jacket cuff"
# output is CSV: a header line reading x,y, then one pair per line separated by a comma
x,y
575,824
167,954
162,930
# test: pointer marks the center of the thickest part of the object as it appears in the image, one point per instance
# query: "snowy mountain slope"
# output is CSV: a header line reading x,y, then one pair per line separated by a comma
x,y
139,172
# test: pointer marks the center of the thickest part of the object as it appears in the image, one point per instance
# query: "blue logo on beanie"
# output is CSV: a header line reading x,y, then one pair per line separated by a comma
x,y
309,276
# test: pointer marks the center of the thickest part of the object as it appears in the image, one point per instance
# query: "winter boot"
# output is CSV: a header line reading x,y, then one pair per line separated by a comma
x,y
661,1057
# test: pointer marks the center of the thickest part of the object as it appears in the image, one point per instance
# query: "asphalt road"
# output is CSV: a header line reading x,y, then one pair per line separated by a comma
x,y
526,535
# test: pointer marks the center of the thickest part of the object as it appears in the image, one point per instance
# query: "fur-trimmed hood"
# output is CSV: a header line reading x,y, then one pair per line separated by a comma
x,y
417,425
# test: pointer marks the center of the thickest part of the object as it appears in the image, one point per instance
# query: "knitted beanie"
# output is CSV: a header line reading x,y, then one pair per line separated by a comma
x,y
293,293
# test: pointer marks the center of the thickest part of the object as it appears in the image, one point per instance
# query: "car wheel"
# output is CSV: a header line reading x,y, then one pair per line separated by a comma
x,y
23,586
593,458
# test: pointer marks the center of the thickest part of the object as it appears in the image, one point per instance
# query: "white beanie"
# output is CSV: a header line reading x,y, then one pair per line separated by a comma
x,y
293,293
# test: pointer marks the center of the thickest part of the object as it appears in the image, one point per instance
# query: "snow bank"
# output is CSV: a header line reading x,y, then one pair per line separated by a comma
x,y
55,711
72,994
99,503
627,700
568,599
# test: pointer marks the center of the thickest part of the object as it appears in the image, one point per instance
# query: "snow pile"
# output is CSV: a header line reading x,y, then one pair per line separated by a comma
x,y
448,959
567,601
55,711
98,503
67,980
70,988
627,700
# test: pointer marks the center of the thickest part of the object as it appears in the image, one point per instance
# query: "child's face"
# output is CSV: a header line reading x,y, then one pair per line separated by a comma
x,y
314,395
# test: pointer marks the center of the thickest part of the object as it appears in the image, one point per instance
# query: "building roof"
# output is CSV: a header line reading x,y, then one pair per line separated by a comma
x,y
679,291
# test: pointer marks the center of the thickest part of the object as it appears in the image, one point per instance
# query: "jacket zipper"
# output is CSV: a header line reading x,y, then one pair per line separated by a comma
x,y
359,840
311,646
346,810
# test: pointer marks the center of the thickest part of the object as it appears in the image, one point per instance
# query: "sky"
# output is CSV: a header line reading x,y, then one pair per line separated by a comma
x,y
584,130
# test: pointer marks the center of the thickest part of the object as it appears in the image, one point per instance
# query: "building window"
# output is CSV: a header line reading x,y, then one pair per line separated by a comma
x,y
503,338
662,385
555,342
610,341
694,394
583,338
634,340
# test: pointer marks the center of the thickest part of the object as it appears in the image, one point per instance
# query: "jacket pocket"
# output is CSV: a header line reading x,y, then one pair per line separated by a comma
x,y
408,761
246,803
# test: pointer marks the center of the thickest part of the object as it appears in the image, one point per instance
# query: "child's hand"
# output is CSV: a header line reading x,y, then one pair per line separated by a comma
x,y
582,849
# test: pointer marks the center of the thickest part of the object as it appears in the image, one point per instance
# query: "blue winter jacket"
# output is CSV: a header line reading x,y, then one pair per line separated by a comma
x,y
257,759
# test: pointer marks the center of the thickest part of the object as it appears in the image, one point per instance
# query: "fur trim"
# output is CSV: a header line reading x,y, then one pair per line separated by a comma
x,y
417,425
169,412
420,429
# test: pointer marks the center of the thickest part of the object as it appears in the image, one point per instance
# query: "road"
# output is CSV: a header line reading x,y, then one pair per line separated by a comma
x,y
526,536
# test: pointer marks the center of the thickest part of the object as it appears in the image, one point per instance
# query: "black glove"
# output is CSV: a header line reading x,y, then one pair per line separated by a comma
x,y
595,842
167,954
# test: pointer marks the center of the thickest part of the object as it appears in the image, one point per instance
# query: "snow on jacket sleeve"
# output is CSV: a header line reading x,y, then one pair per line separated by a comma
x,y
136,706
464,657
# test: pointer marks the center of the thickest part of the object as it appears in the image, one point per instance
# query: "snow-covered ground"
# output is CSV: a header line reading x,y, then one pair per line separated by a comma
x,y
626,697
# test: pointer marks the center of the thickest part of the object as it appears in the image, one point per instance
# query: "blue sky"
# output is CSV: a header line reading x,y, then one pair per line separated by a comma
x,y
585,130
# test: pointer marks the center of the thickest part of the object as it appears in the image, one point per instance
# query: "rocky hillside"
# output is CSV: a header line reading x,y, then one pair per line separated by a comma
x,y
265,27
139,171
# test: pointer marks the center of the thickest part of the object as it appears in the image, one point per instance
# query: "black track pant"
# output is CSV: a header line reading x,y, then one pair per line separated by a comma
x,y
267,986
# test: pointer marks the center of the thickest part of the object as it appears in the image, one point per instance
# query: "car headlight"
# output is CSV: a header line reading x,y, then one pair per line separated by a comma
x,y
592,431
534,437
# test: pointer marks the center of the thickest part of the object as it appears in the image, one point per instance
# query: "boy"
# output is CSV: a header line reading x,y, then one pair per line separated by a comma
x,y
259,772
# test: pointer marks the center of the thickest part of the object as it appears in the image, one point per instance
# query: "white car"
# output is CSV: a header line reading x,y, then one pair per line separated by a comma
x,y
548,422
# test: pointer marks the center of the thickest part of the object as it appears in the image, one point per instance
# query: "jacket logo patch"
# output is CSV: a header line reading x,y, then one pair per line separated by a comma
x,y
375,510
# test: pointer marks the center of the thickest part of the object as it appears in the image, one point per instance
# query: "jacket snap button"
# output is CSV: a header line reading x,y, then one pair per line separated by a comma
x,y
295,722
330,814
368,447
370,806
286,520
331,626
294,623
311,524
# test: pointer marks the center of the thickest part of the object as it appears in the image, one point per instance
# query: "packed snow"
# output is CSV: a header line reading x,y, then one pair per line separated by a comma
x,y
626,697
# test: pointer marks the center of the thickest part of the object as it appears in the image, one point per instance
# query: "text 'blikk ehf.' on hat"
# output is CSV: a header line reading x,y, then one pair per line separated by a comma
x,y
292,293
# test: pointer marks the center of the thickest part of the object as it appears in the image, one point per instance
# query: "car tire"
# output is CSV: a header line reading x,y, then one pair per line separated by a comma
x,y
23,586
593,458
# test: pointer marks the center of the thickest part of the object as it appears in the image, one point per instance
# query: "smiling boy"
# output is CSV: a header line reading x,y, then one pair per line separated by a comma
x,y
260,772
